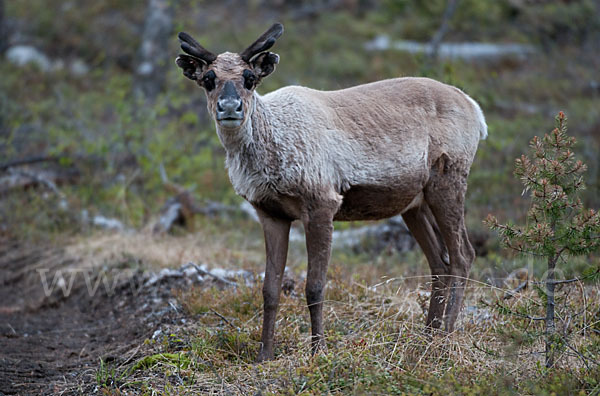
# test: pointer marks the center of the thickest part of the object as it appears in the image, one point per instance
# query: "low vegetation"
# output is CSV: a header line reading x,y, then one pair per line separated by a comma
x,y
115,154
558,226
376,345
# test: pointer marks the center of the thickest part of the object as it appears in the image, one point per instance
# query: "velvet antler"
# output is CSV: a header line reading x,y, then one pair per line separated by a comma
x,y
263,43
193,48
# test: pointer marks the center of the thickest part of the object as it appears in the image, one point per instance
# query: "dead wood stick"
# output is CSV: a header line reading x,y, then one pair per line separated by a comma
x,y
40,179
27,161
516,290
208,273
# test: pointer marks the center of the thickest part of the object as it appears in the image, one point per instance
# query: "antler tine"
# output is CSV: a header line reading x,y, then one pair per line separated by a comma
x,y
192,47
263,43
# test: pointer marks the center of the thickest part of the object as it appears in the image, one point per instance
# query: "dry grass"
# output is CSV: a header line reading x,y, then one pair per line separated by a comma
x,y
374,330
163,251
376,345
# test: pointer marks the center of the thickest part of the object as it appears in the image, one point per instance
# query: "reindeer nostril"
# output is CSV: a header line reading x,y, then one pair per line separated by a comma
x,y
219,107
239,108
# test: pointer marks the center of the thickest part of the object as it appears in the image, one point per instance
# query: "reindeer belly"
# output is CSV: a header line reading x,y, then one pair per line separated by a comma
x,y
280,206
366,202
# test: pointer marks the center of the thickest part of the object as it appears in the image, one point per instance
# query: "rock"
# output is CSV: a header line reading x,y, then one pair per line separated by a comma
x,y
79,68
22,55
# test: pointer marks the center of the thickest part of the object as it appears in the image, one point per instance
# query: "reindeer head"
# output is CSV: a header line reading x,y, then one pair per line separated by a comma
x,y
229,79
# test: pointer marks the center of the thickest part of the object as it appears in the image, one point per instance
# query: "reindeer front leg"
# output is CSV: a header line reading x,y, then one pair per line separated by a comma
x,y
277,233
319,230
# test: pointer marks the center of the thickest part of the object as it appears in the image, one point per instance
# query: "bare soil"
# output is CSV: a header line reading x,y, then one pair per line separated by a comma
x,y
53,344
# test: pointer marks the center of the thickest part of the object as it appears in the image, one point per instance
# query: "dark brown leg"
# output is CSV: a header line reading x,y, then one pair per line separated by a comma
x,y
319,230
445,195
459,277
277,233
422,225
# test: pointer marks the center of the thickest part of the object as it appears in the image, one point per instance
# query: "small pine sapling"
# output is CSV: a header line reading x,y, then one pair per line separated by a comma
x,y
557,223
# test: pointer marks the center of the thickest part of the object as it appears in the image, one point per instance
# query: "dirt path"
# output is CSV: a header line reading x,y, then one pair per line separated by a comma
x,y
53,344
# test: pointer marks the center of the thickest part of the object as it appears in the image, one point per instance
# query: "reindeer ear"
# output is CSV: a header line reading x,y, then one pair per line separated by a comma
x,y
264,64
192,67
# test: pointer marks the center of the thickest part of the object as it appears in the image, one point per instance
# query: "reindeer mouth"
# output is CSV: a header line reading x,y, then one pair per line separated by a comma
x,y
228,116
230,122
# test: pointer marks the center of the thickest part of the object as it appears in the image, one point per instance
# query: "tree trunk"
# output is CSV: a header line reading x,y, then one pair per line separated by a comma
x,y
4,36
3,29
154,57
437,38
550,326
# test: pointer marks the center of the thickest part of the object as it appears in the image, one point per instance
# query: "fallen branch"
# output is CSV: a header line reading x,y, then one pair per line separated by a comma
x,y
202,271
25,178
38,178
513,292
26,161
225,320
181,208
509,311
583,357
567,281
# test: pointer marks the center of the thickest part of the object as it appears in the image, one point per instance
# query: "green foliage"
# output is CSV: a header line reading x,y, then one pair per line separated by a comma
x,y
118,143
551,21
177,360
108,375
557,222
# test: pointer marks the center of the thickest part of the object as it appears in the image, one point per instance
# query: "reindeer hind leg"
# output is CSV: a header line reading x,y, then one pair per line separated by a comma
x,y
445,195
424,228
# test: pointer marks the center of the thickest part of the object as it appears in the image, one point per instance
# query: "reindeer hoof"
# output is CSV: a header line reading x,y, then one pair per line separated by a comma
x,y
318,347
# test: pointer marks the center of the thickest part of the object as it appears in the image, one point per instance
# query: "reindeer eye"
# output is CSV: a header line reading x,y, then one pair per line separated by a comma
x,y
249,79
208,80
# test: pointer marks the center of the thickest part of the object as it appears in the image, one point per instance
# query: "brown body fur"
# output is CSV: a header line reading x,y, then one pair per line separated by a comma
x,y
364,153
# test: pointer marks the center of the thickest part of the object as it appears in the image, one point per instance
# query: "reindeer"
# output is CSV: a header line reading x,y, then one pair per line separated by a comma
x,y
399,146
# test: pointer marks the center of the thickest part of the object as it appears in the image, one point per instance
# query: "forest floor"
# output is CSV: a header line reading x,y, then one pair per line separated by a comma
x,y
123,314
52,342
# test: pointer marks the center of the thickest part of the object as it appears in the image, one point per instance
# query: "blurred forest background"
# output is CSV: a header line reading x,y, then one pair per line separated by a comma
x,y
92,102
100,130
98,126
90,88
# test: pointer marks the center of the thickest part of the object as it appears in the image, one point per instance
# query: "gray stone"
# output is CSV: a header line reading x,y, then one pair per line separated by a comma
x,y
22,55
